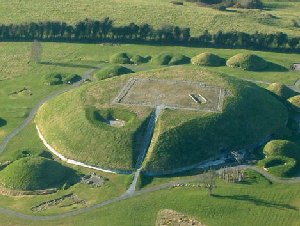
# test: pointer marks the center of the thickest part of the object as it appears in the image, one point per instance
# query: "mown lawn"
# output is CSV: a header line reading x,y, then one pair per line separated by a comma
x,y
141,11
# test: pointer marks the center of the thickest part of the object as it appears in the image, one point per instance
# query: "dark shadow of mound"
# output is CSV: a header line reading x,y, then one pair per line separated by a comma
x,y
68,65
256,201
275,67
3,122
138,140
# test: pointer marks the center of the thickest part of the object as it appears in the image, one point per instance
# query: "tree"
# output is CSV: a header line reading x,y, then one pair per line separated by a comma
x,y
36,51
251,4
293,42
281,39
210,181
205,37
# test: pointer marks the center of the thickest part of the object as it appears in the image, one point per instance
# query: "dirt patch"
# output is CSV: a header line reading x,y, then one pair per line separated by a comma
x,y
187,95
172,218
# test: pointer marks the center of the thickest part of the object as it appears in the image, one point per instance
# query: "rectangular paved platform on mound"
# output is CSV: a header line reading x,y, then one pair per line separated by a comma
x,y
175,94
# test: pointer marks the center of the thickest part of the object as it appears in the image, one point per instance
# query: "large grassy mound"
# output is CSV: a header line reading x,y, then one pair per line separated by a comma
x,y
184,139
208,59
111,71
281,90
248,62
80,123
282,158
35,173
86,127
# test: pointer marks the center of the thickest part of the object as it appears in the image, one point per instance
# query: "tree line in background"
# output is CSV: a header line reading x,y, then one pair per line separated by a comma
x,y
105,31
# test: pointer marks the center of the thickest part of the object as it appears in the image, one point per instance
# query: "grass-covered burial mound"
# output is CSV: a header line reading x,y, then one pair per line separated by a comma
x,y
208,59
86,125
36,173
111,71
248,62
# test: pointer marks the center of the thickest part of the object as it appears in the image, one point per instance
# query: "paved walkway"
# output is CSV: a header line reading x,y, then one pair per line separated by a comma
x,y
145,147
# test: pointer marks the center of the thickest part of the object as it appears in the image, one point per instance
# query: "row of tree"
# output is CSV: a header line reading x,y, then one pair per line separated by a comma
x,y
256,41
105,31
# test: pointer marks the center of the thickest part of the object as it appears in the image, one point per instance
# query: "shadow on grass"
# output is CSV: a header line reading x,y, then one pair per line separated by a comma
x,y
275,67
3,122
139,139
69,64
256,201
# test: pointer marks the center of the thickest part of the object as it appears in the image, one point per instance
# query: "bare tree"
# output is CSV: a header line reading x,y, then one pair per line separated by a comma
x,y
36,51
210,181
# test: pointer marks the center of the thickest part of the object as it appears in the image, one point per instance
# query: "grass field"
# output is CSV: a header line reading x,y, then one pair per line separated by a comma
x,y
80,123
254,203
185,143
16,74
283,14
28,140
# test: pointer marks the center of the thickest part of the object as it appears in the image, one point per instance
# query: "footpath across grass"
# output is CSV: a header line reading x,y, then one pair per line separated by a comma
x,y
255,202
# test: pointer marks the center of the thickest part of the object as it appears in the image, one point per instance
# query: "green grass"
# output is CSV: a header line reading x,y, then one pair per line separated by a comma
x,y
59,79
17,73
281,90
111,71
120,58
170,59
36,173
248,62
28,140
141,11
187,141
295,102
248,116
256,202
282,158
208,59
82,110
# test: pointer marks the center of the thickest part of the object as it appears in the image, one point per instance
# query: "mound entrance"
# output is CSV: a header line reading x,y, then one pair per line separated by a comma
x,y
177,94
